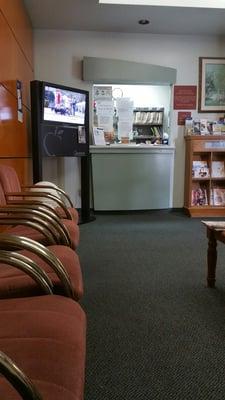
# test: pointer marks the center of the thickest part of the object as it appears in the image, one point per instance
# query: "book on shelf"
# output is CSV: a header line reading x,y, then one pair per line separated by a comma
x,y
148,117
155,131
218,169
217,196
200,169
199,197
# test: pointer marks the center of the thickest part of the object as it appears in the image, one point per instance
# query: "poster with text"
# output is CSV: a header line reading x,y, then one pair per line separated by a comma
x,y
185,97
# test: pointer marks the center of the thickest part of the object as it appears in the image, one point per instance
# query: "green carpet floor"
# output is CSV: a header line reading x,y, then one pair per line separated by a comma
x,y
155,332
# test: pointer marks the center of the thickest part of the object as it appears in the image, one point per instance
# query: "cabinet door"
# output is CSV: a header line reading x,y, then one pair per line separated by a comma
x,y
135,181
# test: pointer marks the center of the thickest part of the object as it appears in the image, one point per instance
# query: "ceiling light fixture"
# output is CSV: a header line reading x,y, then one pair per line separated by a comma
x,y
169,3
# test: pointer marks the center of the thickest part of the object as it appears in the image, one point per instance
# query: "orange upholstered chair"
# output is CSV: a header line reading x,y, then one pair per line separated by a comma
x,y
63,204
60,263
44,217
42,341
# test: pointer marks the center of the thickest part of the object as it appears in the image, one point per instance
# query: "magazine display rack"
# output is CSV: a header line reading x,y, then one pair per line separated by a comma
x,y
205,176
148,124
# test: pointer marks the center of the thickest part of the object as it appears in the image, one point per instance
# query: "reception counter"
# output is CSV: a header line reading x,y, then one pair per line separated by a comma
x,y
132,177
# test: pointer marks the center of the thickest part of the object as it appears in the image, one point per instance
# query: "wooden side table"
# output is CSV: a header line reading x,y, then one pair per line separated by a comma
x,y
215,232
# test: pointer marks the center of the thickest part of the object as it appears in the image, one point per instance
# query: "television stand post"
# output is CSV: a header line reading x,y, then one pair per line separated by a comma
x,y
85,213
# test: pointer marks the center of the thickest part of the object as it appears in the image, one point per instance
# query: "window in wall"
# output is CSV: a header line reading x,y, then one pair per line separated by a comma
x,y
149,119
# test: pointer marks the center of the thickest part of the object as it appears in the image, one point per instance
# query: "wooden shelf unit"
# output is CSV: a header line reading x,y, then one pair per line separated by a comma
x,y
206,149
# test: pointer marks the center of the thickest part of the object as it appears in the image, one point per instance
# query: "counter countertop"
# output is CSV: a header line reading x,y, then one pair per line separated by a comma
x,y
131,148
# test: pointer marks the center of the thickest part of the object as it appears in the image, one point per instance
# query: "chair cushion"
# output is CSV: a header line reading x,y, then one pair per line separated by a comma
x,y
2,197
22,230
15,283
45,336
73,212
74,232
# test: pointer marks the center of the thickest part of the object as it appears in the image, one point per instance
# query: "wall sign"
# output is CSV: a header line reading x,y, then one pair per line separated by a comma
x,y
19,101
182,115
185,97
102,92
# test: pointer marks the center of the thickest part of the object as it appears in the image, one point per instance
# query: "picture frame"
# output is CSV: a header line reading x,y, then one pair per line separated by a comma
x,y
211,89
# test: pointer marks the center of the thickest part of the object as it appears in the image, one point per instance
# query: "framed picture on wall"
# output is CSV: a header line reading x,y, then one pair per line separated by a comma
x,y
211,90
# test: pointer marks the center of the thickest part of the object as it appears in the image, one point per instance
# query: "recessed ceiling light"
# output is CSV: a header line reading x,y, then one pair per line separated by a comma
x,y
144,21
170,3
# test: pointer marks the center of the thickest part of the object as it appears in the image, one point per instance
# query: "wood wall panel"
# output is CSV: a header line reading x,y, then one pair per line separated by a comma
x,y
23,167
16,63
13,134
19,22
14,66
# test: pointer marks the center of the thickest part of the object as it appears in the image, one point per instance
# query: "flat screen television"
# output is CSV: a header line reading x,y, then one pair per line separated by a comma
x,y
60,120
64,105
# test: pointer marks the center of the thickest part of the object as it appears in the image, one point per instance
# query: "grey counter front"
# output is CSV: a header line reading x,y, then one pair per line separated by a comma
x,y
132,177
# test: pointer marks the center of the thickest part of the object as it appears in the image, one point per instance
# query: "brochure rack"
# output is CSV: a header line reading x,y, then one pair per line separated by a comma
x,y
205,176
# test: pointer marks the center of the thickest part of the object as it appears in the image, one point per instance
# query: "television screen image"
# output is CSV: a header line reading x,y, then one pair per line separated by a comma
x,y
61,105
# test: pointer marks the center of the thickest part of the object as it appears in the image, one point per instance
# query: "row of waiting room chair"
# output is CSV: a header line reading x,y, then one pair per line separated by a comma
x,y
43,328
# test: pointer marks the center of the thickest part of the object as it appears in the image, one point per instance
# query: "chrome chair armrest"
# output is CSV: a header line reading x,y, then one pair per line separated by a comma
x,y
18,379
22,220
55,220
12,242
31,202
29,267
36,194
10,212
57,189
47,218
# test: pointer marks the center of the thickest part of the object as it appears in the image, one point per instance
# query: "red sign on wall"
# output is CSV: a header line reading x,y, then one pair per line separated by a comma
x,y
184,97
182,115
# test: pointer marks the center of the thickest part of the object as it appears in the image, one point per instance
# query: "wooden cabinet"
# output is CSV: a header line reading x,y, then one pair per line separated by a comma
x,y
205,176
148,124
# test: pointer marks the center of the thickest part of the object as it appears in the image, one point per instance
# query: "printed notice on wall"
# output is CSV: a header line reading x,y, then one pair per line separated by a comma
x,y
125,115
185,97
19,101
102,92
182,115
105,110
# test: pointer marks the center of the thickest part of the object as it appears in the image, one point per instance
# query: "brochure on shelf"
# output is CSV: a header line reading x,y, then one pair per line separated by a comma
x,y
217,196
99,137
218,169
204,127
199,197
200,169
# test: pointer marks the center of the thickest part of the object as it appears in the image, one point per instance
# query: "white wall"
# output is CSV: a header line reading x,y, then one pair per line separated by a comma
x,y
58,56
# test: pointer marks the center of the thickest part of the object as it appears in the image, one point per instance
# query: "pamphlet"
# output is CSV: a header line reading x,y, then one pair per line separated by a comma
x,y
200,169
99,137
218,169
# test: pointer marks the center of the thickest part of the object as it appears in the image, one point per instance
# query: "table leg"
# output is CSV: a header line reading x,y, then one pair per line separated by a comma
x,y
211,258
